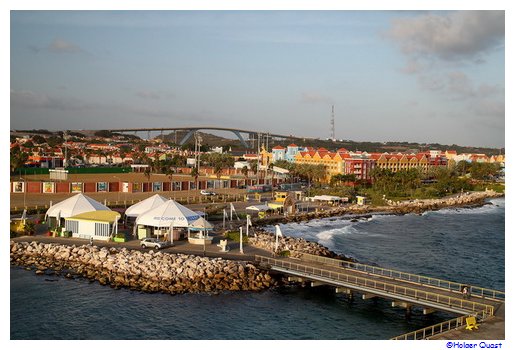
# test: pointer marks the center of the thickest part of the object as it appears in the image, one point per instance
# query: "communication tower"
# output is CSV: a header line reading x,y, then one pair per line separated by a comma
x,y
332,124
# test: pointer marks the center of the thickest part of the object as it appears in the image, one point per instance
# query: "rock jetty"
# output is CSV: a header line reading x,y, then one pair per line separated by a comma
x,y
394,207
145,271
294,246
461,200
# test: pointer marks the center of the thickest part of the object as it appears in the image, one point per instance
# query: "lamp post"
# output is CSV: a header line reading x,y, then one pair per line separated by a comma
x,y
24,191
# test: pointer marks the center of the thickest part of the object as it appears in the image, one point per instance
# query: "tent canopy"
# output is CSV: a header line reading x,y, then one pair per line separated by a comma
x,y
145,205
75,205
166,214
326,198
201,224
259,207
99,215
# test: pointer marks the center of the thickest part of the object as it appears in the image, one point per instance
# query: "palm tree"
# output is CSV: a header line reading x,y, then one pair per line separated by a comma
x,y
194,173
245,172
169,173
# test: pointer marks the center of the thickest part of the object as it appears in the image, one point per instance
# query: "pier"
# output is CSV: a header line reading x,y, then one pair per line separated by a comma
x,y
403,289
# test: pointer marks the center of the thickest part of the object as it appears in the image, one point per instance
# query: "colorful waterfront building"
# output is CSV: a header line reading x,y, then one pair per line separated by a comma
x,y
292,150
400,161
278,153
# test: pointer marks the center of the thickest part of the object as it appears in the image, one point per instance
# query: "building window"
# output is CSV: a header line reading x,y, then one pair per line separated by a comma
x,y
72,226
101,229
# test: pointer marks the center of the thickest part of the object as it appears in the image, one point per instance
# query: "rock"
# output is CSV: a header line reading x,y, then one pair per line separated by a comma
x,y
151,272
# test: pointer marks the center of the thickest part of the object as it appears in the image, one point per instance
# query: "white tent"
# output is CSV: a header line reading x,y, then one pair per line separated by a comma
x,y
75,205
170,213
145,205
259,207
201,224
327,198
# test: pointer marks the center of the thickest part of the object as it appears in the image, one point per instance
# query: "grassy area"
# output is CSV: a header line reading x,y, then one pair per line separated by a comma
x,y
235,236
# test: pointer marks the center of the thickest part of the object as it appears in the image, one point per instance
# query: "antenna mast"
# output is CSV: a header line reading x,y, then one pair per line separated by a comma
x,y
332,125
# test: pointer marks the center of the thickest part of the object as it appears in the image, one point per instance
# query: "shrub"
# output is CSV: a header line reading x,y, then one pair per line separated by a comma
x,y
235,236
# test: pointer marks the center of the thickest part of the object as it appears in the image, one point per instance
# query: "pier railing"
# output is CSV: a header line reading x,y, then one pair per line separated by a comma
x,y
430,331
378,286
406,276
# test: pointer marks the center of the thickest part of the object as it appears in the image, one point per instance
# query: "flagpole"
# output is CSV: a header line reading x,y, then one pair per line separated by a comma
x,y
241,239
276,238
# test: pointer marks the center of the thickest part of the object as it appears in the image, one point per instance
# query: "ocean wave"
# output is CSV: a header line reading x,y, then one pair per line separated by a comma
x,y
490,207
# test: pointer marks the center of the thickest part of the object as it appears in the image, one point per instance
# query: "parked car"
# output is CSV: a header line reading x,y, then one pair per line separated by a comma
x,y
207,193
154,243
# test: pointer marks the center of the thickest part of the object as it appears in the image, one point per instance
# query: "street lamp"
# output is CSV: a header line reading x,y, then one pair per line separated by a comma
x,y
24,191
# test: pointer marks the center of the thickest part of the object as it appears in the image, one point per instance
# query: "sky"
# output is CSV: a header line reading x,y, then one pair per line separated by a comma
x,y
414,76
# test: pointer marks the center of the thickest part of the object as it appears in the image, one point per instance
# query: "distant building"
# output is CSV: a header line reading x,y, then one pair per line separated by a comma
x,y
250,156
278,153
291,152
361,168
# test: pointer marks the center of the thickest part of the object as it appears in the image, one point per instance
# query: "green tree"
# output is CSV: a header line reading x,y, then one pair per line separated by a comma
x,y
54,141
482,171
463,167
18,158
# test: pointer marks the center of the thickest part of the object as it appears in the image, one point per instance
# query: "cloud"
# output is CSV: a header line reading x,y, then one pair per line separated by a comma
x,y
62,46
30,99
148,95
153,95
59,46
454,36
314,98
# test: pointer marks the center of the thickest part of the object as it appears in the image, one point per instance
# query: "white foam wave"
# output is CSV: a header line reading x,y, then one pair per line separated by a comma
x,y
495,206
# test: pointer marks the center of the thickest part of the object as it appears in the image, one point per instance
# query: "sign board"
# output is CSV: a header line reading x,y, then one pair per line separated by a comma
x,y
101,186
58,174
76,187
48,187
18,187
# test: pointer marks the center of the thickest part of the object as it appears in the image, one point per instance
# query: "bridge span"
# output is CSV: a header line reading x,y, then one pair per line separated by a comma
x,y
404,289
190,130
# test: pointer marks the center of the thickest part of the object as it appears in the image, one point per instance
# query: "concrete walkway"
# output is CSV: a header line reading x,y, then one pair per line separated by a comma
x,y
493,328
179,247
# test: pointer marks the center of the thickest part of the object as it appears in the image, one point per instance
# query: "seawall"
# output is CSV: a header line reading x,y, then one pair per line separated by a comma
x,y
145,271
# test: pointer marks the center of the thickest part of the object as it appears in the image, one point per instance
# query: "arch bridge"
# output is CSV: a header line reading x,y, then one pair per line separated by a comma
x,y
190,130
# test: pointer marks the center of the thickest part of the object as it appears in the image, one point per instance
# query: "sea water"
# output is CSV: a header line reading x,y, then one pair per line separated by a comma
x,y
462,245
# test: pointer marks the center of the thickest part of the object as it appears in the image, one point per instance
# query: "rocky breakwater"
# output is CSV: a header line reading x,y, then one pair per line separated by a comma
x,y
294,246
146,271
396,207
462,200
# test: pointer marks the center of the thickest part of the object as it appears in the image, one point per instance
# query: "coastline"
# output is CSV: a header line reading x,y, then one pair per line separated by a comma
x,y
182,273
417,206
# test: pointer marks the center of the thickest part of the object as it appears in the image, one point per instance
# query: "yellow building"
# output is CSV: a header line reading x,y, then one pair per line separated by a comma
x,y
265,157
332,161
396,162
